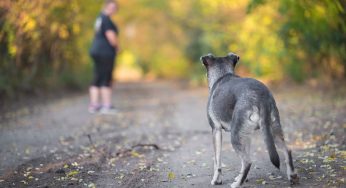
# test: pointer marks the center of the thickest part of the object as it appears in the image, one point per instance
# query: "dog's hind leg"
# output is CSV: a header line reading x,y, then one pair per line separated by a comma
x,y
241,142
217,141
280,143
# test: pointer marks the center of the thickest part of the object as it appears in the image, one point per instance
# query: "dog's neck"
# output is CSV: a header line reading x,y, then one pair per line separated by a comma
x,y
216,74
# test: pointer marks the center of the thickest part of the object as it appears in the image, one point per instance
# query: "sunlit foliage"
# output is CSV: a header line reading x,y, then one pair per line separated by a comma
x,y
45,43
314,36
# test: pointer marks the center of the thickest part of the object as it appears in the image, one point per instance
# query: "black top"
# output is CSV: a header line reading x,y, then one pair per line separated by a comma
x,y
101,46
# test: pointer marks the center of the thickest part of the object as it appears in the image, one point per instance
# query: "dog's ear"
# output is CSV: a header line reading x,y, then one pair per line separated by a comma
x,y
237,58
207,59
204,61
234,58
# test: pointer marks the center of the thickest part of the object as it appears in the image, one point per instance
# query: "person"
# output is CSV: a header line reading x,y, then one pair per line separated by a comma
x,y
103,52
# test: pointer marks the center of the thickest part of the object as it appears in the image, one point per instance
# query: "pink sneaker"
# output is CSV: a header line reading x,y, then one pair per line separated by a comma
x,y
108,110
93,108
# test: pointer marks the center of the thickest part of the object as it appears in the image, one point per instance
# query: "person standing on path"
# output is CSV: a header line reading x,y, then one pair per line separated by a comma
x,y
103,52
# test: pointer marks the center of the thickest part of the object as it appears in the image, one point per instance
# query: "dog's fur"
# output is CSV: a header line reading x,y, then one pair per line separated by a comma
x,y
241,106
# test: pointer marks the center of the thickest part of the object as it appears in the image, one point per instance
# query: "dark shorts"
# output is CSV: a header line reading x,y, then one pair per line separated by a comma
x,y
103,71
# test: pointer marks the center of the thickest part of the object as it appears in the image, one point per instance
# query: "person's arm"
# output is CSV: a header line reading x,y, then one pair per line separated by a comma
x,y
112,38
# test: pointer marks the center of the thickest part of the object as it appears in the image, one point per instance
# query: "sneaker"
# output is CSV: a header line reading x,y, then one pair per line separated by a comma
x,y
93,109
108,110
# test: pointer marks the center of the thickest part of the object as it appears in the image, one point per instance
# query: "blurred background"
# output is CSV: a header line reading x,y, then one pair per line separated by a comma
x,y
44,44
48,139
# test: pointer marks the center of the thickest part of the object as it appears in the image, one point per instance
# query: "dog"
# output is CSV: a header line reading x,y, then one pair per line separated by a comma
x,y
241,106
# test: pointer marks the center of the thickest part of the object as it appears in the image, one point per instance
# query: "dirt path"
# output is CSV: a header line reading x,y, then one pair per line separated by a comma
x,y
160,138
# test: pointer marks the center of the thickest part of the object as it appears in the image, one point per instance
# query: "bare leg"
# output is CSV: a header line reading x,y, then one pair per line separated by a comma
x,y
106,94
217,141
94,95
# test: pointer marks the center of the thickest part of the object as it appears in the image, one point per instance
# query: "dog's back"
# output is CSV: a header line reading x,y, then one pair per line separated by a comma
x,y
235,93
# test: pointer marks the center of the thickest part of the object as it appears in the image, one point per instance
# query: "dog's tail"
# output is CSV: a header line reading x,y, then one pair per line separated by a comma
x,y
269,140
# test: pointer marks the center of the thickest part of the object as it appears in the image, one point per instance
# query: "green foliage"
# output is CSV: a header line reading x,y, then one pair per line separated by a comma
x,y
42,43
314,36
45,43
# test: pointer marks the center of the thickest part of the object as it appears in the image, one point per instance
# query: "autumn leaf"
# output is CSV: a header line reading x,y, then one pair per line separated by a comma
x,y
135,154
343,154
91,185
260,181
72,173
171,176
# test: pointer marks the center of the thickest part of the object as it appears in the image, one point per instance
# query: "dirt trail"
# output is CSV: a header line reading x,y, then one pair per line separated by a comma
x,y
160,138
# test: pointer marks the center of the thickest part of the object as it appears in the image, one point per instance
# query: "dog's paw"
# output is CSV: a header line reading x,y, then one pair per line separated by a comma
x,y
217,178
216,182
294,179
237,178
235,184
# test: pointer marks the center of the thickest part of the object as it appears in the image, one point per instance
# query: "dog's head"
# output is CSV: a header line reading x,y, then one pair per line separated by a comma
x,y
220,64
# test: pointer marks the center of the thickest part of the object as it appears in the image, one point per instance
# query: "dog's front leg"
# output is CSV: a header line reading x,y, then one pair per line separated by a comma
x,y
217,141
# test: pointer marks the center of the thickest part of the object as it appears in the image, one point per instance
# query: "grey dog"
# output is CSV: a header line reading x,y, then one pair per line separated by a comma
x,y
241,106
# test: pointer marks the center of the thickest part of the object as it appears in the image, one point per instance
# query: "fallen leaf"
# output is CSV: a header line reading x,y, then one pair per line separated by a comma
x,y
191,161
171,176
329,159
27,151
72,173
74,164
343,154
91,185
120,177
260,181
135,154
